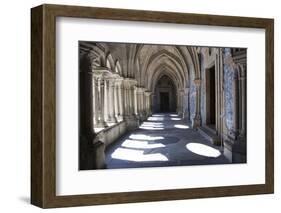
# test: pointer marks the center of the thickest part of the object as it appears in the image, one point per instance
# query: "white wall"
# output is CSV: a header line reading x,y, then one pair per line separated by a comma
x,y
15,104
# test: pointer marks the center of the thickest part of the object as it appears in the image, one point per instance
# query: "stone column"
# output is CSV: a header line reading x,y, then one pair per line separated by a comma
x,y
143,103
234,130
235,92
86,94
132,98
180,102
242,95
135,102
87,153
102,99
234,145
130,118
148,103
152,102
185,103
111,103
126,99
121,100
106,100
196,121
139,108
96,101
129,101
116,101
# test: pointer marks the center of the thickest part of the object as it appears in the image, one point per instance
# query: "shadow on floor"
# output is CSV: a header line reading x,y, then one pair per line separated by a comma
x,y
163,140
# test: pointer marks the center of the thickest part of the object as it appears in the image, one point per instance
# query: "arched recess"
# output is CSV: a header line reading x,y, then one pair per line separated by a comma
x,y
98,55
168,70
118,67
109,62
163,58
164,99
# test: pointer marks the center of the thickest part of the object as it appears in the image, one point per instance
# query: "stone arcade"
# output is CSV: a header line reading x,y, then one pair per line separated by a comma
x,y
123,86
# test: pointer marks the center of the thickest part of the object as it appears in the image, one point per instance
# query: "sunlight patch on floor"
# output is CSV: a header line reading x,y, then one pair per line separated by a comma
x,y
155,119
203,150
174,115
137,155
157,115
141,144
155,124
181,126
152,126
175,119
145,137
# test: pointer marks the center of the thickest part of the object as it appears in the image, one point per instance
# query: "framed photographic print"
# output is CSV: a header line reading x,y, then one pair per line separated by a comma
x,y
135,106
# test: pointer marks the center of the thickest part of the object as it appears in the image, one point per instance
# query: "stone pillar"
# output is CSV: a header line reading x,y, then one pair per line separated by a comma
x,y
125,100
129,99
96,101
86,127
111,103
235,92
132,98
142,110
121,100
92,147
144,105
139,107
102,99
148,103
130,118
116,101
180,102
234,145
101,95
126,87
196,120
186,104
86,95
242,94
135,102
152,104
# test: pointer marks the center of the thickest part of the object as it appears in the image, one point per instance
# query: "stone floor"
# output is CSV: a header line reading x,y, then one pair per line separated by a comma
x,y
163,140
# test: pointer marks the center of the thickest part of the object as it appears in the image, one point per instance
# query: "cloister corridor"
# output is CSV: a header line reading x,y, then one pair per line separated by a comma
x,y
164,139
147,105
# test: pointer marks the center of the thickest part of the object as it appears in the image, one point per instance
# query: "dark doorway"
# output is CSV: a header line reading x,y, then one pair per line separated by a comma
x,y
164,102
165,99
212,95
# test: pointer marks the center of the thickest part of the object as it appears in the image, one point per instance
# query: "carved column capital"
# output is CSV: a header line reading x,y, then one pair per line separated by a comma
x,y
147,93
197,82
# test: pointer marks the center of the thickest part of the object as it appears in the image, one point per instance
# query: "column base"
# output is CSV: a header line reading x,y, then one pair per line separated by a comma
x,y
92,155
131,122
111,120
185,115
143,117
196,121
101,124
235,150
120,118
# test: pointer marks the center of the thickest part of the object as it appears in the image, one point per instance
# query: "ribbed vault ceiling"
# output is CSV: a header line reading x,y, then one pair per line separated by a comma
x,y
145,62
